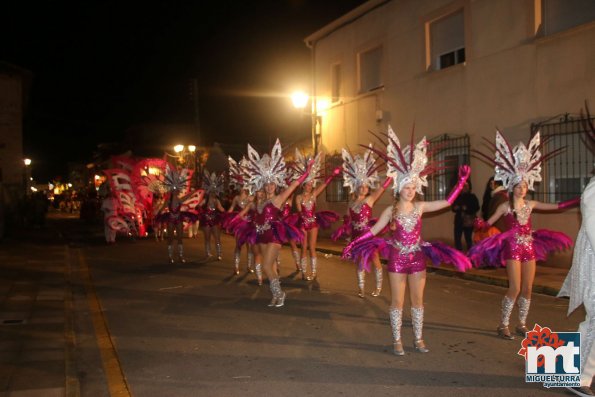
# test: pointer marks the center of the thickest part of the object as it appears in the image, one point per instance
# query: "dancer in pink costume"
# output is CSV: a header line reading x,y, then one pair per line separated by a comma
x,y
239,202
360,174
293,219
519,247
268,173
404,250
174,212
309,219
211,212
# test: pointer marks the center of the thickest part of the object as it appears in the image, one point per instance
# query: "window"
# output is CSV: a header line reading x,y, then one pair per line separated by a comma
x,y
453,153
566,175
451,58
336,89
447,41
370,70
559,15
335,191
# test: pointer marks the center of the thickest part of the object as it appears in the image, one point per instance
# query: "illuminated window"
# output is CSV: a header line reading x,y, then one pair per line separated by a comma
x,y
370,70
447,41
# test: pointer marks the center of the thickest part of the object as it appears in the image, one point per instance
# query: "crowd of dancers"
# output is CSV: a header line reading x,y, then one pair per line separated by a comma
x,y
275,205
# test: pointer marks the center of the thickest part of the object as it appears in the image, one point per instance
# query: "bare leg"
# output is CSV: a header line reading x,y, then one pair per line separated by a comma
x,y
296,254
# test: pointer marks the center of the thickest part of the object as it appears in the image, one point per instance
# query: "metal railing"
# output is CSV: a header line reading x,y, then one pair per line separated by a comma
x,y
454,151
566,175
335,191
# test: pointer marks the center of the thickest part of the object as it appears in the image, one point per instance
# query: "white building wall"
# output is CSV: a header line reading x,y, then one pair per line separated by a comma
x,y
511,78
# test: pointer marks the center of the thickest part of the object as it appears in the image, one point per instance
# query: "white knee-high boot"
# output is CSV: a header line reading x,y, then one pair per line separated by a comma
x,y
417,320
396,322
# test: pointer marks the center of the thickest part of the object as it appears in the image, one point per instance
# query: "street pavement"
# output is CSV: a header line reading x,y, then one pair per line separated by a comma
x,y
82,318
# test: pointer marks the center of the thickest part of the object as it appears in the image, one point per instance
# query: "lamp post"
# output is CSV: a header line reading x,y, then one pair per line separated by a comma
x,y
27,175
300,100
191,154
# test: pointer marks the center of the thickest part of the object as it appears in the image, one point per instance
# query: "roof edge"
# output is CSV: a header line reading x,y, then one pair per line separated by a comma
x,y
351,16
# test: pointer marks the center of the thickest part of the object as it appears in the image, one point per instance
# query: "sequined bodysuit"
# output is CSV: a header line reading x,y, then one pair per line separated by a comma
x,y
307,214
519,246
360,214
286,210
210,216
266,220
406,255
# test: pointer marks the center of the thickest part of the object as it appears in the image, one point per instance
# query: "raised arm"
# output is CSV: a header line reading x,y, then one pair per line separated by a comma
x,y
378,192
437,205
319,189
219,206
284,195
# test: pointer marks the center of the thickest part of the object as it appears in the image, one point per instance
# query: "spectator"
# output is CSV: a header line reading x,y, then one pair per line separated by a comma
x,y
465,207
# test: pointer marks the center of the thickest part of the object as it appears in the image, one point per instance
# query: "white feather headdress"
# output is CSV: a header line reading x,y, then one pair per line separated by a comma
x,y
266,169
409,165
173,180
237,177
521,163
213,183
358,170
300,166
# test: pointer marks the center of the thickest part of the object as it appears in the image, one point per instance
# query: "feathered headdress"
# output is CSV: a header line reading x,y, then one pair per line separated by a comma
x,y
358,170
173,180
300,165
521,163
236,173
265,169
213,183
408,165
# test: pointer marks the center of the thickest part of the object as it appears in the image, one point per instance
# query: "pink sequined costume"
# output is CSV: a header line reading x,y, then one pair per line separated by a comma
x,y
290,217
210,216
270,227
357,222
519,243
404,249
310,219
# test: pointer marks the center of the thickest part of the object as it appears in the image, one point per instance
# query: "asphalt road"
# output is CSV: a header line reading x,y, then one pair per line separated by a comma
x,y
193,329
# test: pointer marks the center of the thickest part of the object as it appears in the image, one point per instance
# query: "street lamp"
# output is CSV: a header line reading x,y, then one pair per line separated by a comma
x,y
300,100
189,154
27,175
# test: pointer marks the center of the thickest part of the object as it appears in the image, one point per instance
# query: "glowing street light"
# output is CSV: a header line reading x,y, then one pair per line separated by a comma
x,y
178,148
299,99
27,162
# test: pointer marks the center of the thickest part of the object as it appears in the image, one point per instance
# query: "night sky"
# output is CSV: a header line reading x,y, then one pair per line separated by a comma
x,y
102,68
